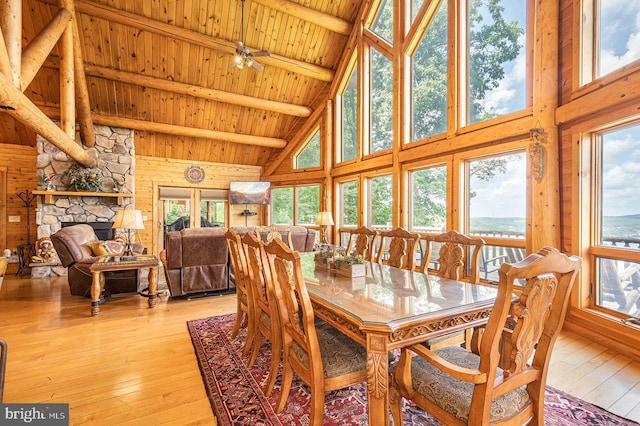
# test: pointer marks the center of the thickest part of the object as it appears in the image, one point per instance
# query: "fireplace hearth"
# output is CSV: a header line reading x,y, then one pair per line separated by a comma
x,y
103,230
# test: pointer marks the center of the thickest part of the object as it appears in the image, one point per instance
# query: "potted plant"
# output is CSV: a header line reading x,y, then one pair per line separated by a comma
x,y
350,266
324,258
85,179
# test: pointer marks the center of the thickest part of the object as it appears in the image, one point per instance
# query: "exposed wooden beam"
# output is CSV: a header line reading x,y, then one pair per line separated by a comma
x,y
170,129
39,48
67,80
158,27
85,121
324,20
16,104
191,90
5,64
11,26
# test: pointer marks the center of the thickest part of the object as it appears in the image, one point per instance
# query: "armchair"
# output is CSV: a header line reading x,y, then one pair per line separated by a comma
x,y
73,246
506,381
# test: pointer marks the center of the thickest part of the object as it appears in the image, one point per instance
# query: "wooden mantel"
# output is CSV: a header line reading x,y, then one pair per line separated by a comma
x,y
49,196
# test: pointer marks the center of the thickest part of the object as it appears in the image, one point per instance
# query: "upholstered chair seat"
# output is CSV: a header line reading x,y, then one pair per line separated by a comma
x,y
454,395
340,354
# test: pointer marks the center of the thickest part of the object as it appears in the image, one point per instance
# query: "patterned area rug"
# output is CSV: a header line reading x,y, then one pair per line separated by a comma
x,y
237,399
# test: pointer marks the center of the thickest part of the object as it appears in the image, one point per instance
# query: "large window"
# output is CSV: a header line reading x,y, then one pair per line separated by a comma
x,y
610,36
383,23
295,205
496,199
497,68
428,198
349,119
616,222
429,72
380,202
381,96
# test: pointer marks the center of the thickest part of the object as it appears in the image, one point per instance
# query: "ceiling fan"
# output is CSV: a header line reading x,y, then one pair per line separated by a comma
x,y
243,55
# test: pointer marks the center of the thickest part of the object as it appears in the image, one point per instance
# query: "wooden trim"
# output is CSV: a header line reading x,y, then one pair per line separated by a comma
x,y
158,27
49,196
5,63
302,177
3,204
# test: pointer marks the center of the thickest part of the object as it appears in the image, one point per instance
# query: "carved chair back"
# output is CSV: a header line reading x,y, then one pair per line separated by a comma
x,y
457,258
244,309
362,241
402,246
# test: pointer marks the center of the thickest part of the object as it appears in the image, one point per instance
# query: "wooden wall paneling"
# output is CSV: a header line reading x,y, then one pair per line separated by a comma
x,y
20,164
568,58
163,172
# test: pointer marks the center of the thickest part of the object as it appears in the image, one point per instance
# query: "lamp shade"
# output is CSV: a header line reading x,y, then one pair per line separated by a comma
x,y
324,218
128,219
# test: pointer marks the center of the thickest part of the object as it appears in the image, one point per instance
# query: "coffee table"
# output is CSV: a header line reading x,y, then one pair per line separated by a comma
x,y
122,263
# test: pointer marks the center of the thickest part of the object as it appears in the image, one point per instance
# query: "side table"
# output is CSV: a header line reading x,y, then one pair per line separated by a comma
x,y
122,263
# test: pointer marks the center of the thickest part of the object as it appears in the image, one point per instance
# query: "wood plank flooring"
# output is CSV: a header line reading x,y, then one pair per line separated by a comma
x,y
136,366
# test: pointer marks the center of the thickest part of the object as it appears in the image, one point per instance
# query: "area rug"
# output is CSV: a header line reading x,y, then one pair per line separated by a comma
x,y
237,399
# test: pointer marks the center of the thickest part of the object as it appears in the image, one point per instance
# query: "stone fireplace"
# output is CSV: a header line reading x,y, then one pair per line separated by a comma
x,y
115,153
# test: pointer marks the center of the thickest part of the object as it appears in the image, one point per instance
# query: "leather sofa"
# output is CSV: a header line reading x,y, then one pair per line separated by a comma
x,y
196,260
73,246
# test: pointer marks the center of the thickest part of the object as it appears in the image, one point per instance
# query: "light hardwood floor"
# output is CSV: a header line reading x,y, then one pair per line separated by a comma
x,y
136,366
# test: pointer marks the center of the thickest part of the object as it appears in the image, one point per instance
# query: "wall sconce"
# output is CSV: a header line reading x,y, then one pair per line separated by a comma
x,y
536,152
128,219
324,219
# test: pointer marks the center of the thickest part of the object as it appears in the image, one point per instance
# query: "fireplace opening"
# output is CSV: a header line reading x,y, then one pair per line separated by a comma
x,y
103,230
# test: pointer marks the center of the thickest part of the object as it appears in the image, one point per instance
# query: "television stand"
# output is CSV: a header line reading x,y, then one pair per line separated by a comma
x,y
246,213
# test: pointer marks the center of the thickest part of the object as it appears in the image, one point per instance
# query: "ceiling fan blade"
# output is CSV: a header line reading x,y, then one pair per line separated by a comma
x,y
255,64
260,53
239,46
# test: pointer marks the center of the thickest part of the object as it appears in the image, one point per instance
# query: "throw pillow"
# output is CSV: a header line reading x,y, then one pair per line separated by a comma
x,y
103,248
99,248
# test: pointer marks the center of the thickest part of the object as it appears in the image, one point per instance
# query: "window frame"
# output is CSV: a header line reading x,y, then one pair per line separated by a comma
x,y
312,134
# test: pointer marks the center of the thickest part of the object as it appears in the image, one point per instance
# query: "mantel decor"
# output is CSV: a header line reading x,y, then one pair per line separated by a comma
x,y
85,179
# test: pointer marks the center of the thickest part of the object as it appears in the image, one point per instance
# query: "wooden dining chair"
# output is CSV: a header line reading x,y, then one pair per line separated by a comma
x,y
321,356
362,241
244,305
402,247
459,387
457,259
266,318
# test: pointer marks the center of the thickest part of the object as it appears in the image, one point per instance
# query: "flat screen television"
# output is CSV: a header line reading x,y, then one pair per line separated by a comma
x,y
249,192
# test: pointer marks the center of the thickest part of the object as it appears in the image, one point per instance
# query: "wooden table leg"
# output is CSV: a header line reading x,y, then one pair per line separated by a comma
x,y
95,292
377,380
153,286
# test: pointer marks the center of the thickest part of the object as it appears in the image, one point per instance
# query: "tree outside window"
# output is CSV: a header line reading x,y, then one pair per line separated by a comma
x,y
282,205
383,24
309,156
381,137
380,202
350,118
429,200
308,204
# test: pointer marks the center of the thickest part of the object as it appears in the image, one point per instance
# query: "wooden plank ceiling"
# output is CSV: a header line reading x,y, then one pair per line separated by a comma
x,y
167,65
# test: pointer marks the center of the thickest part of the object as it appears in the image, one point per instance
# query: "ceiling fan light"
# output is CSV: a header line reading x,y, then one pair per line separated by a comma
x,y
237,59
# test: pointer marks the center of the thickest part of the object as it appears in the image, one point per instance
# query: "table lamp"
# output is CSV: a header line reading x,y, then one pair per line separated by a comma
x,y
128,219
324,219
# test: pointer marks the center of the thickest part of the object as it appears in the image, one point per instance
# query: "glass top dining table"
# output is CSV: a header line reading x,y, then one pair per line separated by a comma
x,y
391,308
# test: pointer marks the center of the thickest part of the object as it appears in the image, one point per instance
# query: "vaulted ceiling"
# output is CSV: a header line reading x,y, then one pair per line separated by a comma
x,y
165,68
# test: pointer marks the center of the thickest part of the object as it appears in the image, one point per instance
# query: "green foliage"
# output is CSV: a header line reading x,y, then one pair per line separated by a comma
x,y
308,204
429,197
383,24
282,205
381,200
381,137
310,154
85,179
350,203
350,118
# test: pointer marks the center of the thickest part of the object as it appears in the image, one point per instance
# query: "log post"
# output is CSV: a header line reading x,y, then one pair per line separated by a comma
x,y
67,81
85,121
11,26
544,150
